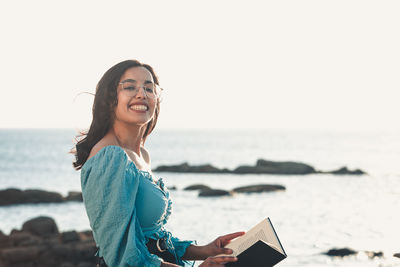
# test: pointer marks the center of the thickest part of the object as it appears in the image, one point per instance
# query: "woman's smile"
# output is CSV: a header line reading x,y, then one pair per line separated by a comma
x,y
139,108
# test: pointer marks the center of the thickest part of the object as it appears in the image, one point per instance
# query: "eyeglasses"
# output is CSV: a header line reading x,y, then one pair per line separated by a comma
x,y
131,88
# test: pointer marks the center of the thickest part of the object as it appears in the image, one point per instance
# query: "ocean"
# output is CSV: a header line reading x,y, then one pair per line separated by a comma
x,y
315,213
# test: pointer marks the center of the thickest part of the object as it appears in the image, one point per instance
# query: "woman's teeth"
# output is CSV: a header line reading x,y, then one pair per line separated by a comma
x,y
138,107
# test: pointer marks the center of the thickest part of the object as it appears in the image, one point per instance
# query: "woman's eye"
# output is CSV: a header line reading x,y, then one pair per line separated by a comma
x,y
130,88
148,89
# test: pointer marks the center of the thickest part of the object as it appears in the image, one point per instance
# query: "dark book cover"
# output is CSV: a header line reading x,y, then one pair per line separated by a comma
x,y
260,254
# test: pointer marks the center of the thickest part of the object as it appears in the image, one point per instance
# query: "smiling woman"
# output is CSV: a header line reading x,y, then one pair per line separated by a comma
x,y
107,98
126,205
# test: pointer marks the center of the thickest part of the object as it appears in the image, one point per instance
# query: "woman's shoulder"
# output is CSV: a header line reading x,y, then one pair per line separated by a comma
x,y
104,149
103,143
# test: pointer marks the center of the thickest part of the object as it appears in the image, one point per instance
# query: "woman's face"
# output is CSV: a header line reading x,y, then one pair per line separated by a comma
x,y
133,108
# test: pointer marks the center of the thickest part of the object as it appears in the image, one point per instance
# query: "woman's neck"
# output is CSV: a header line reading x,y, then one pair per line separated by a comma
x,y
128,136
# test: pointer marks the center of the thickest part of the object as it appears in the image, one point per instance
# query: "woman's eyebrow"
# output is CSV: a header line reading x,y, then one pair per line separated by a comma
x,y
133,81
128,80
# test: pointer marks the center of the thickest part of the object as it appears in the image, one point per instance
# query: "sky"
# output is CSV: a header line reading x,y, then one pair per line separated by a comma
x,y
330,65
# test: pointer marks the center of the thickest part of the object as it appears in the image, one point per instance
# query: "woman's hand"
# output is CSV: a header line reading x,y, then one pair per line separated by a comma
x,y
217,261
194,252
217,246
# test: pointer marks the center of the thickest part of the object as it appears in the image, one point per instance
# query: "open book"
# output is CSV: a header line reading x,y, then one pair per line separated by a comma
x,y
260,246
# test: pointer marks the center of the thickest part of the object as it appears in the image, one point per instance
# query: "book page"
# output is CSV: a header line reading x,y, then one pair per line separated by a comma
x,y
262,231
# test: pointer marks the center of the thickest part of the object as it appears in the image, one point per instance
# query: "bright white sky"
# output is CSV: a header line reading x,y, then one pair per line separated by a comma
x,y
223,64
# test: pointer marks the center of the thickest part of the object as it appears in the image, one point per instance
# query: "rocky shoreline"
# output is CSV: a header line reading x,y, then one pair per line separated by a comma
x,y
261,167
39,243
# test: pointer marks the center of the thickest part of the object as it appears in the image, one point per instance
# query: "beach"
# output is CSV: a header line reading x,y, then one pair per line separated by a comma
x,y
315,213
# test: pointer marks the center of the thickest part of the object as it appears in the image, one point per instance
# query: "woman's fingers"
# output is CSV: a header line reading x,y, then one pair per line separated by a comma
x,y
227,251
217,261
222,259
229,237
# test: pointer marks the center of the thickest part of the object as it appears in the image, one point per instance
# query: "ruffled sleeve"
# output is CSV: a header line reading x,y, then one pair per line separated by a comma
x,y
180,249
109,189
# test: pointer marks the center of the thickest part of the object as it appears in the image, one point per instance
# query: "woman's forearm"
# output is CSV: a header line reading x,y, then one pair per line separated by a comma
x,y
194,252
167,264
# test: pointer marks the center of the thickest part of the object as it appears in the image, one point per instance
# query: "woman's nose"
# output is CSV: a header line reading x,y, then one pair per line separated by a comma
x,y
141,93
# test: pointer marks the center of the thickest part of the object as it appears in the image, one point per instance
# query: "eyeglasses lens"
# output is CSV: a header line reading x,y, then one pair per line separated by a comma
x,y
151,90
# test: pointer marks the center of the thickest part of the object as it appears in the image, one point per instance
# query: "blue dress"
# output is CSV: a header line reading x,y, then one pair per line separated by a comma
x,y
125,208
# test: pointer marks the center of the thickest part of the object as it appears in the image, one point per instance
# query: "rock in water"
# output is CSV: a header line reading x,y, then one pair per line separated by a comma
x,y
197,187
374,254
41,226
185,167
344,170
214,193
258,188
15,196
340,252
74,196
275,167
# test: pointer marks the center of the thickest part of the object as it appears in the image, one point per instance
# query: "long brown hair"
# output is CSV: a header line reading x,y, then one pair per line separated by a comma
x,y
104,104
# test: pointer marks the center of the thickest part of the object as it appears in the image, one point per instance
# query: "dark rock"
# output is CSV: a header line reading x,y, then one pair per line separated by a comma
x,y
30,242
63,252
67,264
259,188
197,187
71,236
85,251
19,238
13,255
206,168
185,167
40,244
22,264
214,193
172,187
48,258
15,196
397,255
346,171
86,264
373,254
274,167
4,241
341,252
41,226
74,196
51,241
86,235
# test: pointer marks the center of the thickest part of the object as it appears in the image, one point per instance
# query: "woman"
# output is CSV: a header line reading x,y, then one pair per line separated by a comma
x,y
126,206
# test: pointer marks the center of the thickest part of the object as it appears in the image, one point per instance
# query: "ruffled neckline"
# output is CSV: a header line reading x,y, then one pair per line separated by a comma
x,y
147,175
114,147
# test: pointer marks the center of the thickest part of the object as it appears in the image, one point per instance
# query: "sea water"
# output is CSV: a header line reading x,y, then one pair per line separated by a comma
x,y
315,213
